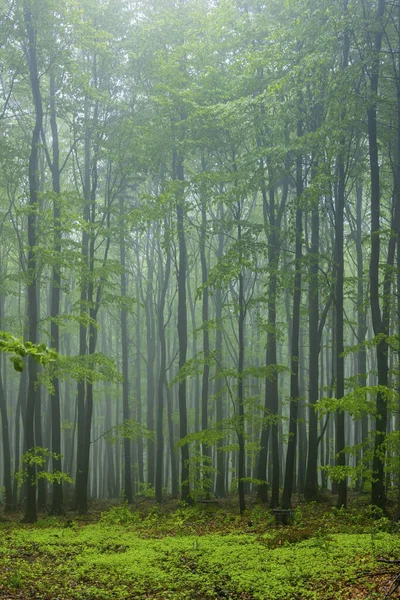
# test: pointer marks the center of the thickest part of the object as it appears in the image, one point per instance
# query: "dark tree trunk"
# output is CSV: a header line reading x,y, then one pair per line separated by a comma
x,y
57,499
272,224
6,441
378,495
361,317
294,362
171,443
219,385
311,486
80,499
339,264
206,336
194,390
240,425
138,378
161,377
339,303
150,337
178,171
8,505
397,417
19,416
128,490
302,422
32,309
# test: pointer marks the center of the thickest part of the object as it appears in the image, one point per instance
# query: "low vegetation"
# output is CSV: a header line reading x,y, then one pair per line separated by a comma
x,y
204,552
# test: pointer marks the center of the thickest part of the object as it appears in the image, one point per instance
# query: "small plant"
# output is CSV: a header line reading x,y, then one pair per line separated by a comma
x,y
119,515
47,522
322,539
297,518
145,490
15,580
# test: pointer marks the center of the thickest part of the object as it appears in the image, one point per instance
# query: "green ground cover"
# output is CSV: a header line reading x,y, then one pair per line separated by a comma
x,y
196,554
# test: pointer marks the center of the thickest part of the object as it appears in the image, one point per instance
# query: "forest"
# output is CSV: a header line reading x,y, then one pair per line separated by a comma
x,y
200,281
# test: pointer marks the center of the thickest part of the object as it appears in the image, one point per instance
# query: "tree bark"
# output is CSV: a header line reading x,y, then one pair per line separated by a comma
x,y
57,497
294,362
128,490
178,170
161,377
32,309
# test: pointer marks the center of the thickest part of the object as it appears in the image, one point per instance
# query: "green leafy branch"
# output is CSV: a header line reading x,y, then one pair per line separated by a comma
x,y
128,429
359,401
19,349
37,457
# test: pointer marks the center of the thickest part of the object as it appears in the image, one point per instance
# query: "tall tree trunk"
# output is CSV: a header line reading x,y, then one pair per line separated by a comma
x,y
378,495
294,361
57,497
150,337
240,426
339,299
302,422
339,264
128,490
195,392
220,479
178,170
161,377
138,377
311,486
32,309
8,505
361,316
80,499
19,416
206,335
272,224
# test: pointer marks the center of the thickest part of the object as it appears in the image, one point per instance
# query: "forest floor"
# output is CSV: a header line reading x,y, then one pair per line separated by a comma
x,y
206,552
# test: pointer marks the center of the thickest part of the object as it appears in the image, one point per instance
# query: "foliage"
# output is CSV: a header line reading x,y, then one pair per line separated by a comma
x,y
19,349
91,368
129,429
119,515
38,457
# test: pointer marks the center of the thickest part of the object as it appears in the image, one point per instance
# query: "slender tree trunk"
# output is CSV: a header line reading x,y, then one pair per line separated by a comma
x,y
128,490
311,486
6,448
178,170
57,499
80,499
294,362
19,415
378,495
220,479
272,224
302,423
194,390
240,426
339,263
339,299
161,377
33,389
150,337
138,379
361,317
206,335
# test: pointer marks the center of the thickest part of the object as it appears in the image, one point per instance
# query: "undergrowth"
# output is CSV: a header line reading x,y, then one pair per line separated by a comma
x,y
202,552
